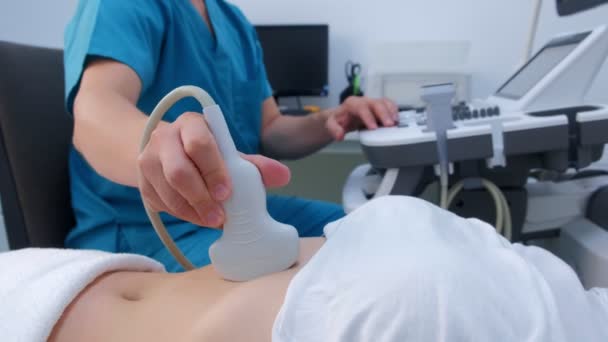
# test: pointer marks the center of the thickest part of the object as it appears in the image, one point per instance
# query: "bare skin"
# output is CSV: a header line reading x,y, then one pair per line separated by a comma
x,y
191,306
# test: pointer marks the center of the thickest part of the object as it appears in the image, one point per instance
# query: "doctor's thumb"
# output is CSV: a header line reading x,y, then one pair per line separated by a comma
x,y
274,173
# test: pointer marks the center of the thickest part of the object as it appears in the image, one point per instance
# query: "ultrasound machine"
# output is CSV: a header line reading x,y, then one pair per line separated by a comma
x,y
522,154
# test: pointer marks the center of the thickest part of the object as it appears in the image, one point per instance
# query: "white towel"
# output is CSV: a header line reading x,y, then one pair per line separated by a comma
x,y
37,285
400,269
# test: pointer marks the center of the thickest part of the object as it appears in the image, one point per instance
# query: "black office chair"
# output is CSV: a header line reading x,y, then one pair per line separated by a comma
x,y
35,134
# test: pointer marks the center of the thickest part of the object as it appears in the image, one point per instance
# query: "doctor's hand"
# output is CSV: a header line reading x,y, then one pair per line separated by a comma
x,y
361,112
181,172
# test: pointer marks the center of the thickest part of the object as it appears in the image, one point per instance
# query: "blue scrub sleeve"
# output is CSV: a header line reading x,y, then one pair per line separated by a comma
x,y
128,31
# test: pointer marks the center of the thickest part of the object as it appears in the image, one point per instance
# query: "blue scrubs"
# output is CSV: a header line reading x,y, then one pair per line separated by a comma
x,y
168,44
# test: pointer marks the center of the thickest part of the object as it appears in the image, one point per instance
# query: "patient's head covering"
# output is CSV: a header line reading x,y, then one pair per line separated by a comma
x,y
37,285
400,269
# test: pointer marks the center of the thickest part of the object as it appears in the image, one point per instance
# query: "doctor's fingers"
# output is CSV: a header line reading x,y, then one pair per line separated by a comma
x,y
274,173
392,107
200,147
336,130
359,107
154,202
154,181
184,177
159,194
372,111
382,112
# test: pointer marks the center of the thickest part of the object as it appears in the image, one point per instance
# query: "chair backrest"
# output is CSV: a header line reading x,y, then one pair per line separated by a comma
x,y
35,135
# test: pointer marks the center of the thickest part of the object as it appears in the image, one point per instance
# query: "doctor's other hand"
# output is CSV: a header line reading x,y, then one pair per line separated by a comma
x,y
181,172
361,112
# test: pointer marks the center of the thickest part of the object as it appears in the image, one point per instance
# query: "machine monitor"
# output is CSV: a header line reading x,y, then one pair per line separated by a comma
x,y
558,76
296,58
567,7
540,66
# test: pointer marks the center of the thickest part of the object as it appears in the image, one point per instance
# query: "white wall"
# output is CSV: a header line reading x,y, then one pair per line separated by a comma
x,y
35,22
497,29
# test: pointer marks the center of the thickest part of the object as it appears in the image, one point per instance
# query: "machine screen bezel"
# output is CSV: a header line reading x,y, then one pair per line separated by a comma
x,y
577,39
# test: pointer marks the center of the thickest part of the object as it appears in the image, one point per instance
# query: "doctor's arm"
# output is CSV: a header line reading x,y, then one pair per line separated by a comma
x,y
180,171
292,137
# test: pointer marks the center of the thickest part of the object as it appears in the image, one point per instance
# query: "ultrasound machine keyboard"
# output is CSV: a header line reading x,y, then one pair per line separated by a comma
x,y
462,112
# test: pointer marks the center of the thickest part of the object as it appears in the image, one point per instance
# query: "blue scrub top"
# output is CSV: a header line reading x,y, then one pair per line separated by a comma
x,y
167,43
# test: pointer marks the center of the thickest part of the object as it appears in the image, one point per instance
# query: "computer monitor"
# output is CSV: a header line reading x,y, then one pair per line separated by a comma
x,y
296,58
567,7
